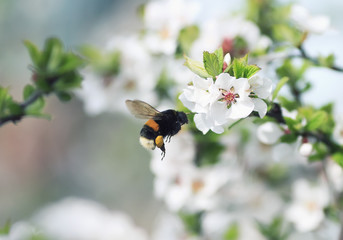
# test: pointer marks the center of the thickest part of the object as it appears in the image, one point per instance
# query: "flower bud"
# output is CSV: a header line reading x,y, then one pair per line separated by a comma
x,y
305,149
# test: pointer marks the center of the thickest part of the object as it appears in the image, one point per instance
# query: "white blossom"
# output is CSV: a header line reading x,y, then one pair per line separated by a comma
x,y
306,149
215,33
338,130
73,218
335,175
136,79
163,20
269,132
216,223
308,23
224,101
306,210
262,87
21,231
195,188
169,226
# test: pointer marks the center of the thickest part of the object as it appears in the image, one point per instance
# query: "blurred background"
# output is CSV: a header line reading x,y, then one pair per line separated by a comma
x,y
97,158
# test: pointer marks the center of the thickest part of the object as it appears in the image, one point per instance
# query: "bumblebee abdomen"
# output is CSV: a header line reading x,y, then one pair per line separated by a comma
x,y
148,134
147,143
152,124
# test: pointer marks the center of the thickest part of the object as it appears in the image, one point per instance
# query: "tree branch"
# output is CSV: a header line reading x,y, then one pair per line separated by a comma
x,y
14,118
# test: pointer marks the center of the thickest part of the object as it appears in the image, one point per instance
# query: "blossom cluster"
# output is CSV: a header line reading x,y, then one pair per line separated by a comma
x,y
225,100
254,158
216,182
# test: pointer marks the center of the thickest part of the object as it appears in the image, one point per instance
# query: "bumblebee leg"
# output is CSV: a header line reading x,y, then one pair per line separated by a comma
x,y
163,154
160,144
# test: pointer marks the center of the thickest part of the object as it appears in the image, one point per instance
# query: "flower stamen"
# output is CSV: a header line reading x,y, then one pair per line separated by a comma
x,y
229,96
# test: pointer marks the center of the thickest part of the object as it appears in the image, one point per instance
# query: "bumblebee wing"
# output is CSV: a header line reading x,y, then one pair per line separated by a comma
x,y
142,110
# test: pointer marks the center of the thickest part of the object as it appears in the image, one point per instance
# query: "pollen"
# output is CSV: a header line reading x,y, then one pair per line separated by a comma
x,y
229,96
159,141
311,206
197,185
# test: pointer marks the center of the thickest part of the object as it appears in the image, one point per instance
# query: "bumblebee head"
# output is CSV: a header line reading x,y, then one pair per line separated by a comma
x,y
182,118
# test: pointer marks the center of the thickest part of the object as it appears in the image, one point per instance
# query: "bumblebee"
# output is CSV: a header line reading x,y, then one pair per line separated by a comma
x,y
160,125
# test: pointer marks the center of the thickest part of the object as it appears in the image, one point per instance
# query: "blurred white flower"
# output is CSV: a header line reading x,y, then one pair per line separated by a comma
x,y
306,149
174,162
306,211
136,79
194,188
338,130
74,218
216,223
164,19
335,175
235,35
169,226
269,132
21,231
308,23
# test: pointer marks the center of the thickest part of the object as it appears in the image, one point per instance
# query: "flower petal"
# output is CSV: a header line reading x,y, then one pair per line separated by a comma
x,y
241,109
200,123
260,106
269,133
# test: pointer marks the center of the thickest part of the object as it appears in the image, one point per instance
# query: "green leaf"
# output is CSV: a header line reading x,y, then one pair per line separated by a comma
x,y
107,64
196,67
220,56
327,108
338,158
250,70
211,64
91,53
280,84
291,123
241,68
232,233
238,67
288,138
164,86
68,81
35,107
317,120
5,99
274,230
15,109
327,61
70,62
286,33
52,54
186,38
192,222
5,230
288,104
64,96
35,54
28,90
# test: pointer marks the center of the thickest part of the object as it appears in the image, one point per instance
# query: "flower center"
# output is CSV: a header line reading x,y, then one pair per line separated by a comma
x,y
164,33
229,96
197,185
311,206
